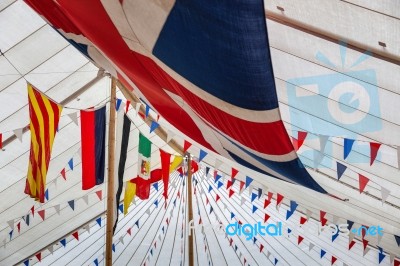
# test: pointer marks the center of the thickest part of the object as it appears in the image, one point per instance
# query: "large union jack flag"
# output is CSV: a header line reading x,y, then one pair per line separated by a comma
x,y
205,66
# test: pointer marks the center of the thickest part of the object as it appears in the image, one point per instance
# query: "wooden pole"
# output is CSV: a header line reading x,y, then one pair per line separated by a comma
x,y
110,184
190,209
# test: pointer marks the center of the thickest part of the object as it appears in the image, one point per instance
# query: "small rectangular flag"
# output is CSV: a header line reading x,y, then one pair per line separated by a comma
x,y
144,157
44,116
93,139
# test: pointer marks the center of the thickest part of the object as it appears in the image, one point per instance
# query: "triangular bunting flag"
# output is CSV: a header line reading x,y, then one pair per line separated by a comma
x,y
121,239
11,234
71,164
127,105
51,249
348,144
96,262
86,199
76,235
333,260
397,238
232,215
322,218
42,214
366,251
340,169
322,254
279,199
308,214
99,194
118,104
19,227
129,231
74,117
220,184
26,263
63,242
137,223
231,192
242,201
170,135
18,133
381,257
261,247
384,194
234,172
351,244
63,174
310,246
323,139
154,125
299,239
11,224
362,180
253,196
248,181
46,194
266,203
254,209
186,145
303,220
39,256
113,247
57,208
202,155
217,198
374,151
229,184
155,185
71,203
98,221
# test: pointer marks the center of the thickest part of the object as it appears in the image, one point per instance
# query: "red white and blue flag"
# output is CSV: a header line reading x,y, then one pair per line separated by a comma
x,y
203,65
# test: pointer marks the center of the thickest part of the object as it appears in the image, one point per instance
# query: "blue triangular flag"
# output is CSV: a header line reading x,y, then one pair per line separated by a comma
x,y
340,169
288,214
118,104
46,194
259,193
248,181
147,110
121,208
71,203
202,155
397,240
207,170
71,164
155,185
323,252
63,242
335,235
26,263
289,230
96,262
27,219
293,205
220,184
232,215
113,247
151,251
98,221
210,188
380,249
236,248
254,208
276,261
218,177
254,240
162,229
174,203
153,126
350,223
11,233
348,143
253,196
156,203
137,223
211,209
381,257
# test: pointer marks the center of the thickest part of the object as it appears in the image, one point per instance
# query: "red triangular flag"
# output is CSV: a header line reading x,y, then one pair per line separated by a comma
x,y
266,203
295,144
165,162
270,195
229,184
365,243
167,221
128,103
63,174
230,242
396,263
42,214
322,218
1,141
303,220
241,185
129,231
200,221
33,211
234,172
231,192
207,201
279,199
362,180
39,256
76,235
19,226
217,198
351,244
261,247
333,260
186,145
99,194
178,194
374,151
266,217
301,137
299,239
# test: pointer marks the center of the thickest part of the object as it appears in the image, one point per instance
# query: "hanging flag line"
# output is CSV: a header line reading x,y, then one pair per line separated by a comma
x,y
202,219
288,210
75,233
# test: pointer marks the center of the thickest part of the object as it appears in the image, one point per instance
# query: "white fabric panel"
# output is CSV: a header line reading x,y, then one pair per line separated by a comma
x,y
8,74
388,7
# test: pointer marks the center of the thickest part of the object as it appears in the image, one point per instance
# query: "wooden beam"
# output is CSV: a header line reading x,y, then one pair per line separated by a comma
x,y
190,209
110,183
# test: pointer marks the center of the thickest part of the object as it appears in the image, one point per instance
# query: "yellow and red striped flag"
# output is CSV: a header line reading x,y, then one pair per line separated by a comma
x,y
44,115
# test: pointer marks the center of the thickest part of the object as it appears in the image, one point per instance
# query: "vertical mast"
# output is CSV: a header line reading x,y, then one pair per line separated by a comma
x,y
110,183
190,209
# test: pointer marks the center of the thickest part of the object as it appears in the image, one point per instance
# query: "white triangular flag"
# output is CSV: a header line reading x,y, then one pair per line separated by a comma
x,y
74,117
159,237
268,253
344,264
384,194
57,208
391,258
217,164
225,207
242,201
335,219
308,214
240,254
366,251
310,246
86,199
250,190
18,133
170,135
137,108
351,237
148,211
323,139
87,228
51,249
121,239
379,238
11,224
